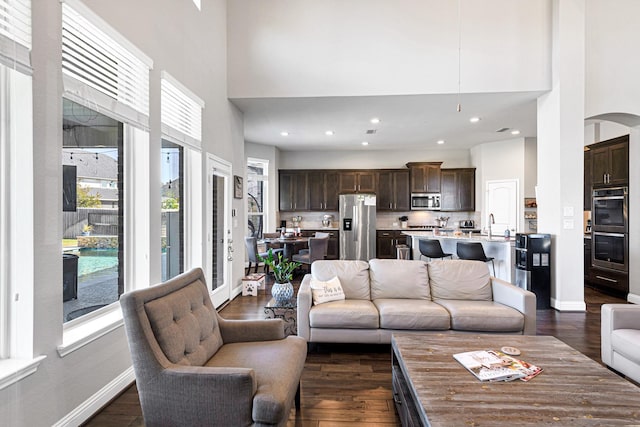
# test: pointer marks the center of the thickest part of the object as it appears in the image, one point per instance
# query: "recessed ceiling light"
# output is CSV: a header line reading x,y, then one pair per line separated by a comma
x,y
329,133
365,143
375,120
284,133
515,132
474,119
440,142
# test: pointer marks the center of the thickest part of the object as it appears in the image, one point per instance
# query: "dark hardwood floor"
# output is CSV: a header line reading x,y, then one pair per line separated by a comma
x,y
350,385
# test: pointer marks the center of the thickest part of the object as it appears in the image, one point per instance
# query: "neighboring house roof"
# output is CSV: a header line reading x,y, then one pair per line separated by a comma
x,y
104,167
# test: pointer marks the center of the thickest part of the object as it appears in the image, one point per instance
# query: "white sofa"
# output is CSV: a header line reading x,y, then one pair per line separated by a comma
x,y
620,338
387,296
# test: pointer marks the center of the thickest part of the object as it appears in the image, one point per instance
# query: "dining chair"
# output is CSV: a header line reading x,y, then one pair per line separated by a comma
x,y
318,234
431,248
317,251
474,251
251,244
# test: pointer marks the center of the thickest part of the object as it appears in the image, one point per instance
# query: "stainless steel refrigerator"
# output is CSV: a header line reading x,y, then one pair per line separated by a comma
x,y
358,226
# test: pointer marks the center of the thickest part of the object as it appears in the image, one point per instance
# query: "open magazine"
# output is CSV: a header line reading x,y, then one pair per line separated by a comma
x,y
491,365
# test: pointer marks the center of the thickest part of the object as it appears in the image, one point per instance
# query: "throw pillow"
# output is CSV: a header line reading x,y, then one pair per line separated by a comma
x,y
326,291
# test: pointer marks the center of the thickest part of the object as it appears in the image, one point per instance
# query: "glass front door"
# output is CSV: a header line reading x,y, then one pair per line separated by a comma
x,y
220,251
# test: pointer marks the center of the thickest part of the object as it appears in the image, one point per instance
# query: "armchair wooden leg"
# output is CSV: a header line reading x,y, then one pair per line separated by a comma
x,y
297,398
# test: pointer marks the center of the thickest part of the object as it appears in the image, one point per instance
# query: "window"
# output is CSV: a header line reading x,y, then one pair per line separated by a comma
x,y
257,184
181,122
105,163
172,210
16,194
92,232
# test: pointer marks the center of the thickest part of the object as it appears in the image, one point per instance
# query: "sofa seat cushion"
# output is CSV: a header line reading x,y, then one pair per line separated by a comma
x,y
412,314
346,314
484,316
397,278
460,279
353,276
276,382
627,343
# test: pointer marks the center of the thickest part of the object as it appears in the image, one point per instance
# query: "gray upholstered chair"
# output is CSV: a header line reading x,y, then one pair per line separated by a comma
x,y
317,250
620,338
194,367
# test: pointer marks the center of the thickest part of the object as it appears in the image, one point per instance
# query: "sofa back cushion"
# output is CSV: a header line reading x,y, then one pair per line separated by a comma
x,y
460,280
398,278
353,276
185,324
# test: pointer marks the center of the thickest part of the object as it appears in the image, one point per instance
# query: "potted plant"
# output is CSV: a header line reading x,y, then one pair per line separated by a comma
x,y
282,289
403,221
86,229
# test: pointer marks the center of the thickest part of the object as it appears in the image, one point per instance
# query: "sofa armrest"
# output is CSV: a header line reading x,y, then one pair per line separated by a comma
x,y
612,317
251,330
304,307
190,394
520,299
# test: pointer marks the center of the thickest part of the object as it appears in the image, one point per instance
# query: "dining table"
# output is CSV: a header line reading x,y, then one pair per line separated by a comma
x,y
288,243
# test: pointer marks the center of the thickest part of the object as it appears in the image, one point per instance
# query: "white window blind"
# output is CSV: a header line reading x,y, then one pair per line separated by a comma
x,y
15,34
101,65
181,112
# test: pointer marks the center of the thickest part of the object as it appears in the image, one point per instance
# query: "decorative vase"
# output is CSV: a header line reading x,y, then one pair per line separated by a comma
x,y
282,292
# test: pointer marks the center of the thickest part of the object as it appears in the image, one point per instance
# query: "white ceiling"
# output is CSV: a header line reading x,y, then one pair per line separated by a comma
x,y
407,121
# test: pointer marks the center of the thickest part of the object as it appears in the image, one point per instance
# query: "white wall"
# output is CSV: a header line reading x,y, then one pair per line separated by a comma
x,y
371,159
378,47
612,63
497,161
174,35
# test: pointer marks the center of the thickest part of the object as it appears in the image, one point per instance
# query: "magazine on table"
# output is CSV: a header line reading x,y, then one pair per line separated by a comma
x,y
491,365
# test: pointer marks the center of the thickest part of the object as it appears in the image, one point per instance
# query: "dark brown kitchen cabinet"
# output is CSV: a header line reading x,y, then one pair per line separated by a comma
x,y
587,260
323,190
386,242
616,282
458,190
610,162
587,180
425,177
362,181
294,191
393,190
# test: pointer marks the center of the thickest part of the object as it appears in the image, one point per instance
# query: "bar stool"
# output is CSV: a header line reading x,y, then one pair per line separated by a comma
x,y
432,249
474,251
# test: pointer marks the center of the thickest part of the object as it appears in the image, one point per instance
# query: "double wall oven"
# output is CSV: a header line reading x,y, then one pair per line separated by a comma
x,y
609,237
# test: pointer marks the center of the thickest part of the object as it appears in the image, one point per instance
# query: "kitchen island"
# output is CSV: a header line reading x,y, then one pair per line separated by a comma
x,y
500,248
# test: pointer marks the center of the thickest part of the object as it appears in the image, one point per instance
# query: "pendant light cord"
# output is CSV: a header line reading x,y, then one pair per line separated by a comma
x,y
459,107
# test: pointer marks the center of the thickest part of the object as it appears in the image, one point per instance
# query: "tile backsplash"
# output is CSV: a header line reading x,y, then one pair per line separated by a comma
x,y
384,220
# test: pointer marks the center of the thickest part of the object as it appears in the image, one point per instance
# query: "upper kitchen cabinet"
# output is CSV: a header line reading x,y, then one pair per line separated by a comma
x,y
458,189
425,177
393,190
362,181
610,162
323,190
294,194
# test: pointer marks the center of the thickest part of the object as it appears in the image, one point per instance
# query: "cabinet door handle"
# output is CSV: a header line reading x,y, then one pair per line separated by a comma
x,y
390,205
607,279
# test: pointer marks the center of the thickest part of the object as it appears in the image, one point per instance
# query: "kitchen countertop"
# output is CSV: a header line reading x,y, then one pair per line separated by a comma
x,y
465,236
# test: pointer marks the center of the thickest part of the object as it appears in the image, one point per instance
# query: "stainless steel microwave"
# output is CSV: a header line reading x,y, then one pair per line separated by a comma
x,y
425,202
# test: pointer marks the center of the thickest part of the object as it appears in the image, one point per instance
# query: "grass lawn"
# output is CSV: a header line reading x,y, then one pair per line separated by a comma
x,y
69,243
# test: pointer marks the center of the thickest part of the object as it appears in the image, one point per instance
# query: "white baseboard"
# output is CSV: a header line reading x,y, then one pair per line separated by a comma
x,y
568,305
93,404
633,298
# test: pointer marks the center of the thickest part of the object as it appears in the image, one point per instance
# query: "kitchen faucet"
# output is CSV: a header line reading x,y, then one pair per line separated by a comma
x,y
491,221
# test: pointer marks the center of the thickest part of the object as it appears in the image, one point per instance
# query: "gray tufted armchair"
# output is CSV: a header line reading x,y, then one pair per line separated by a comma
x,y
193,367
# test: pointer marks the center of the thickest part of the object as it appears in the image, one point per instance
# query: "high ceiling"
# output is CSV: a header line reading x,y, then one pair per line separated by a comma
x,y
408,122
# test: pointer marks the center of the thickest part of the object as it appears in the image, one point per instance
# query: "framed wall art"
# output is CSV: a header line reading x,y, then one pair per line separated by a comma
x,y
237,187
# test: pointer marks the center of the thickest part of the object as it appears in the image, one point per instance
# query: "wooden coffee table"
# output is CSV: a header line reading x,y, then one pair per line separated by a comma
x,y
431,388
